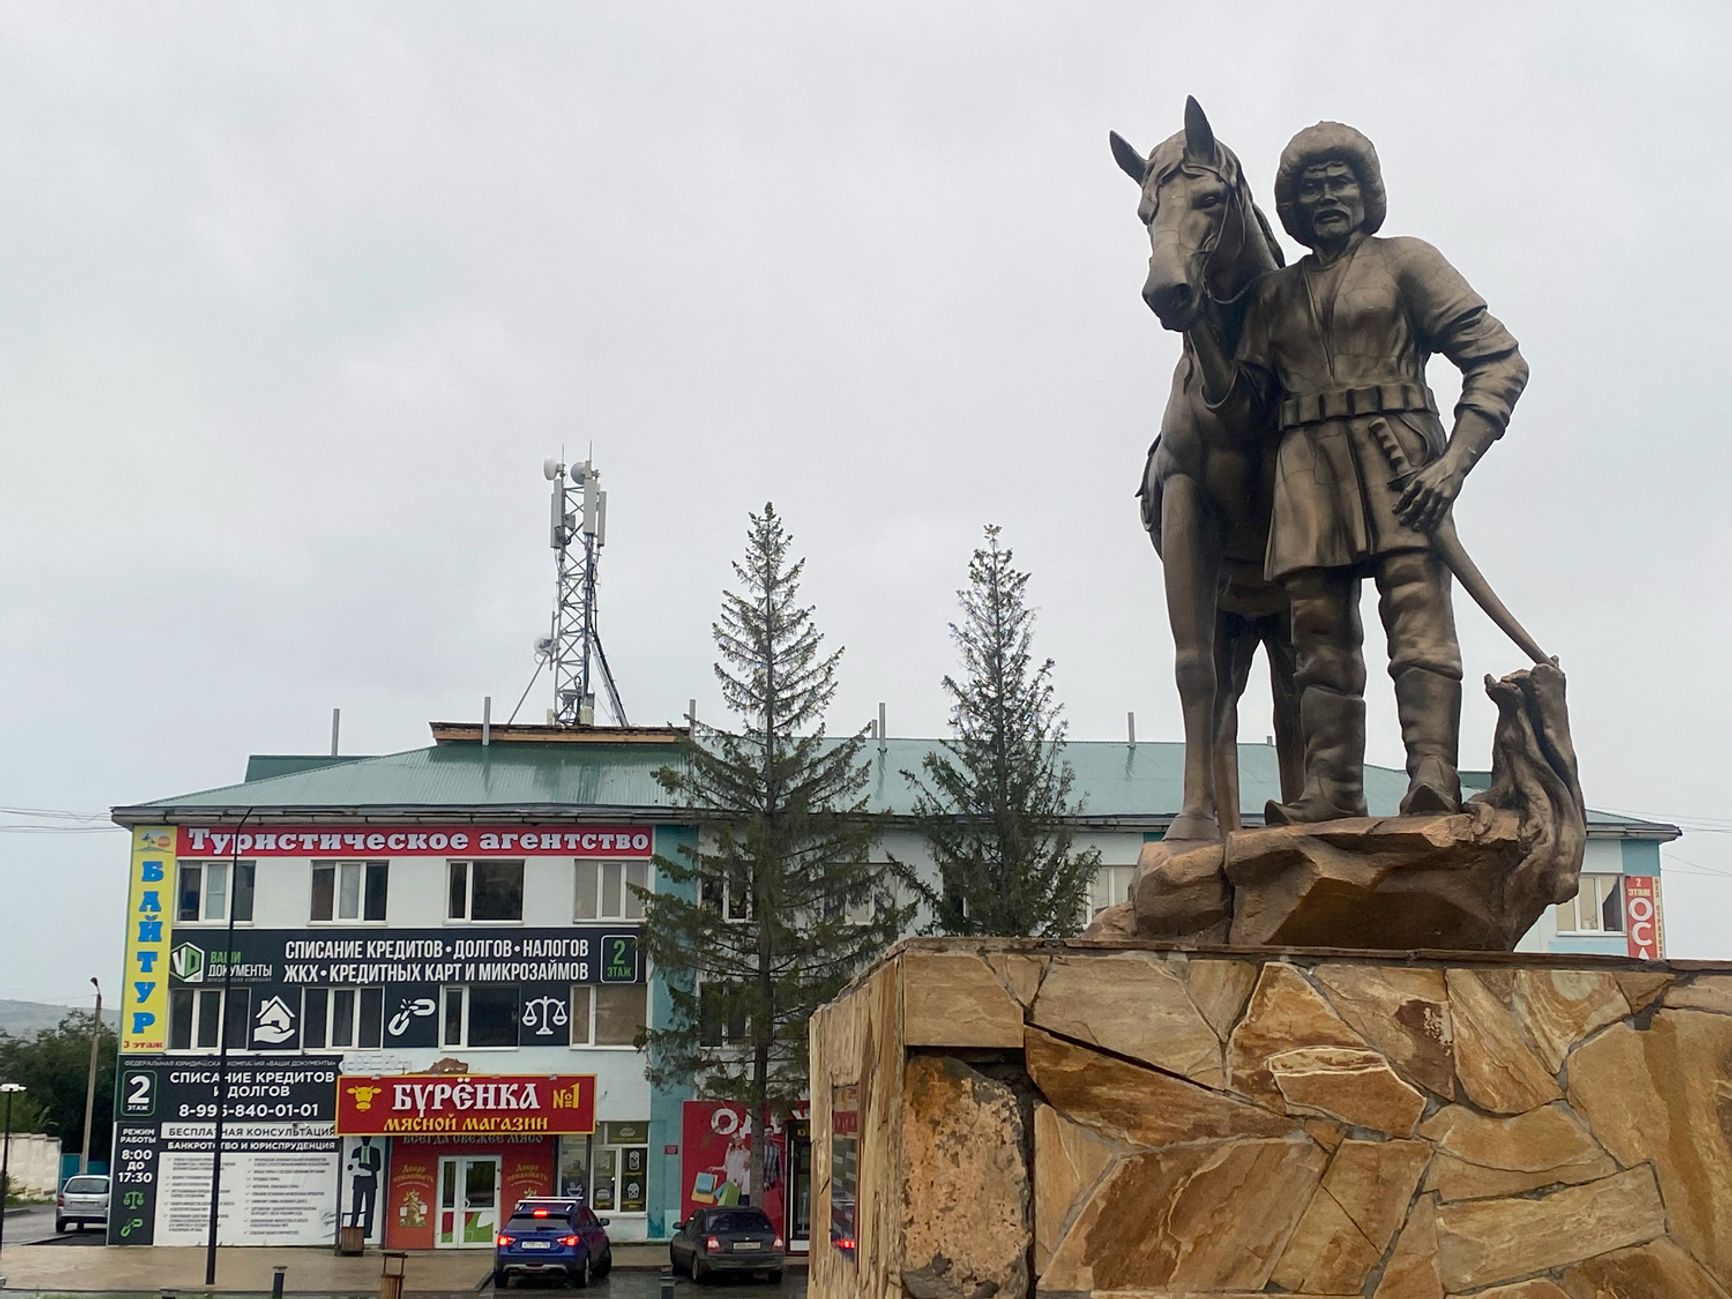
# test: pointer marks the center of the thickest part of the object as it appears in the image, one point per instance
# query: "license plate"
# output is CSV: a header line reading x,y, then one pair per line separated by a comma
x,y
538,1244
746,1244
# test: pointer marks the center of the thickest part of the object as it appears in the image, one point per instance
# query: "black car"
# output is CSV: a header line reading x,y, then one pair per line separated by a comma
x,y
733,1239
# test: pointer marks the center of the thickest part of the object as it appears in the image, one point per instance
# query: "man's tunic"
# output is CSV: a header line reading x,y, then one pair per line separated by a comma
x,y
1332,348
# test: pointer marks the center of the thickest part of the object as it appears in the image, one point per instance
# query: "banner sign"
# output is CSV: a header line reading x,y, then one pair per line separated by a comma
x,y
1644,936
279,1150
372,957
391,980
608,841
183,1089
149,922
716,1161
466,1104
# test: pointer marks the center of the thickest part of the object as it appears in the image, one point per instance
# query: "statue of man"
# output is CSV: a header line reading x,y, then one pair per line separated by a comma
x,y
1331,346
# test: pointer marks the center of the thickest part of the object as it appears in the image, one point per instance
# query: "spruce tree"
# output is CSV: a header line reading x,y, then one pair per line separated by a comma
x,y
788,904
994,801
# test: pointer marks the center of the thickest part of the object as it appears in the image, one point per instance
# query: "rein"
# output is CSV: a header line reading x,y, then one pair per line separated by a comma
x,y
1238,208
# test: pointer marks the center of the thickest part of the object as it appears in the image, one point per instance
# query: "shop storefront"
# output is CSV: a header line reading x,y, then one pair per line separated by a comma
x,y
448,1155
716,1142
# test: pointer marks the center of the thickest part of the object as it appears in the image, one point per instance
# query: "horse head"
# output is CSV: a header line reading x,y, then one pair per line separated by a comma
x,y
1206,236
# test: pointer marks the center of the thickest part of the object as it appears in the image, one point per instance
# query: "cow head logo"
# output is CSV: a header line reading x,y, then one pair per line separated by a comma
x,y
363,1096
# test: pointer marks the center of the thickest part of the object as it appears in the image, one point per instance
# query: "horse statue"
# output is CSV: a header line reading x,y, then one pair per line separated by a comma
x,y
1208,484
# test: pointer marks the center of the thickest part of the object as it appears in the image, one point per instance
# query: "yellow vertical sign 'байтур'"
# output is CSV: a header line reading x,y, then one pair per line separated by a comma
x,y
149,921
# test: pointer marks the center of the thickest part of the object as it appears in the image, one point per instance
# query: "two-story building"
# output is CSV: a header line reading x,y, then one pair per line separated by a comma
x,y
420,978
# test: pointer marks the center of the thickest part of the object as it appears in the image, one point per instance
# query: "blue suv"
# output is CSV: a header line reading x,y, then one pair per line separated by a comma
x,y
552,1238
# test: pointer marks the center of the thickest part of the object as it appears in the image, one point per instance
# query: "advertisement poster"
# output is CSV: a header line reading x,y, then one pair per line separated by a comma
x,y
362,1185
716,1161
149,921
280,1153
1644,935
279,1184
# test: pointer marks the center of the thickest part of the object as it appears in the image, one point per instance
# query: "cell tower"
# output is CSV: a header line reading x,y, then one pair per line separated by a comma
x,y
579,530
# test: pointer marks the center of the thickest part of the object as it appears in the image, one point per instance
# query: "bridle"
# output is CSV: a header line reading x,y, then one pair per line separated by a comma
x,y
1236,205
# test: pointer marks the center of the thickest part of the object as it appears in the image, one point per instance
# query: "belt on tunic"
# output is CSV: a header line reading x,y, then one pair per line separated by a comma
x,y
1341,403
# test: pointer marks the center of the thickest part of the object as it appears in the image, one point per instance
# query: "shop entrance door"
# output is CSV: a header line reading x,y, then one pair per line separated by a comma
x,y
468,1202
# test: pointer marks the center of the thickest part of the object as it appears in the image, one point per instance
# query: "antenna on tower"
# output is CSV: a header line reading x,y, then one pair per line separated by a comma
x,y
578,532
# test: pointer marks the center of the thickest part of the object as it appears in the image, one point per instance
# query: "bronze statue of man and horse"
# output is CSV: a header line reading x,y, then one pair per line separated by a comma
x,y
1301,452
1208,484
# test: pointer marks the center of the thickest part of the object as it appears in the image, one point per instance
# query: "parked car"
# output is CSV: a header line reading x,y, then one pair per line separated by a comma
x,y
82,1200
552,1238
737,1238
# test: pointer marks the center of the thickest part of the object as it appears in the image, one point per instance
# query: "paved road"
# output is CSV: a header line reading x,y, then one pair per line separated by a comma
x,y
621,1285
78,1265
34,1225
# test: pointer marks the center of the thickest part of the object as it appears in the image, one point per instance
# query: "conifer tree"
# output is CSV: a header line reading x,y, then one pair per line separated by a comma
x,y
994,801
788,904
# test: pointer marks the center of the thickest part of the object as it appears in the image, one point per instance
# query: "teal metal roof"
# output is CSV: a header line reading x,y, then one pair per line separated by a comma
x,y
262,766
1116,781
448,776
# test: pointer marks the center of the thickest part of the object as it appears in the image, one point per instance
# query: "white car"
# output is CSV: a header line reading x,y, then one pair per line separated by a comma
x,y
83,1200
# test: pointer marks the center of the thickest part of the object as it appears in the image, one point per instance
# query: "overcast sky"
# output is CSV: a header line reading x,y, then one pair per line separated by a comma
x,y
294,299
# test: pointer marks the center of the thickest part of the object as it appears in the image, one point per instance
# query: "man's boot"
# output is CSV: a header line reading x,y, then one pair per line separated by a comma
x,y
1429,705
1334,728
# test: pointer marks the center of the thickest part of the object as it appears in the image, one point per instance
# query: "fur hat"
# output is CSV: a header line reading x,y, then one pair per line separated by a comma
x,y
1320,143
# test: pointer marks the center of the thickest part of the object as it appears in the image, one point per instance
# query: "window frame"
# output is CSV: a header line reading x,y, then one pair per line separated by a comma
x,y
600,1147
468,865
367,871
197,997
1113,894
725,1038
231,870
717,893
360,1018
463,990
1614,885
588,1021
597,889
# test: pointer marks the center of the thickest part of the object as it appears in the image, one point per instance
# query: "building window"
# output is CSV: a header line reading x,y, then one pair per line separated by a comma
x,y
481,1014
620,1160
604,889
196,1019
1111,886
608,1170
485,890
721,1014
342,1017
350,890
1597,908
202,891
731,898
608,1014
865,906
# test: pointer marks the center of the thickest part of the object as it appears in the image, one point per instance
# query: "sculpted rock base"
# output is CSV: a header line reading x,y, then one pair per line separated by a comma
x,y
1473,881
1225,1124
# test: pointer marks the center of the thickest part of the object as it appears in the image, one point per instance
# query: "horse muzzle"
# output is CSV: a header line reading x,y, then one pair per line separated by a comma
x,y
1174,302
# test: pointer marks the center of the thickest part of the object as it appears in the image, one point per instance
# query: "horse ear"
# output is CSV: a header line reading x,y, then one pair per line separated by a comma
x,y
1125,154
1199,135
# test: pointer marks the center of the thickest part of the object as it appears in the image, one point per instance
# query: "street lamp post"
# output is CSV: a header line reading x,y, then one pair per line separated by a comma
x,y
10,1089
90,1082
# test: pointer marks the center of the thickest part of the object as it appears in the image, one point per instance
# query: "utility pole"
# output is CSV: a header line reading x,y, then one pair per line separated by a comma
x,y
90,1078
11,1089
222,1096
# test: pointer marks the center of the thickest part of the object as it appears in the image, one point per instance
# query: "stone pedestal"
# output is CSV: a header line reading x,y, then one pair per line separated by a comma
x,y
1006,1119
